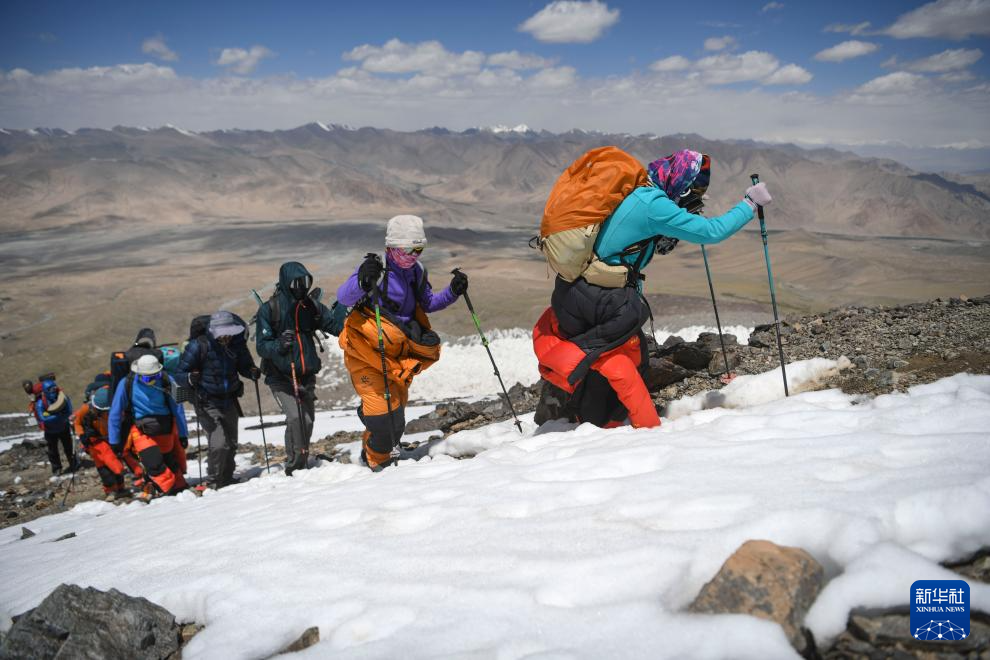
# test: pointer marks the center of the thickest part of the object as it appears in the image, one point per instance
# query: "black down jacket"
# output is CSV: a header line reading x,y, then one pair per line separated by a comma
x,y
596,319
218,366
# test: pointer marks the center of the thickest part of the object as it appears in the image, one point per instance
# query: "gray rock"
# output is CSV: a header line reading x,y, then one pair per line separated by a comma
x,y
896,363
905,343
662,372
26,533
768,581
717,365
693,356
73,622
887,634
310,637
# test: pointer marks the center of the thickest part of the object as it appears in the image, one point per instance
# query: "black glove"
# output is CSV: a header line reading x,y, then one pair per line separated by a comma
x,y
285,341
194,378
369,272
255,373
85,438
459,283
184,442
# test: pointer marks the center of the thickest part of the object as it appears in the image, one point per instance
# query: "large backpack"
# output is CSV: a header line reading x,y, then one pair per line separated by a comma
x,y
582,198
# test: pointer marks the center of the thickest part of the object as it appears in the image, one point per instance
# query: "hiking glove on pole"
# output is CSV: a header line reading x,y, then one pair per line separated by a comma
x,y
459,283
285,341
369,272
757,195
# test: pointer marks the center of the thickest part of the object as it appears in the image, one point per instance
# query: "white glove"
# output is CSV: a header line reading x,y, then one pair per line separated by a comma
x,y
757,195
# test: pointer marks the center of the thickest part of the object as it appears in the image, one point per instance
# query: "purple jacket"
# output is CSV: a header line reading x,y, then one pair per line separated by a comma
x,y
401,291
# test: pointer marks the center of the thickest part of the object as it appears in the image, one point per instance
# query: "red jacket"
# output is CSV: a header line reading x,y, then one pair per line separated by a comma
x,y
558,357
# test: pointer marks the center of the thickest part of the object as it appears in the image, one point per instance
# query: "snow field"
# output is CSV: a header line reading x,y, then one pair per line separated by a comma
x,y
581,543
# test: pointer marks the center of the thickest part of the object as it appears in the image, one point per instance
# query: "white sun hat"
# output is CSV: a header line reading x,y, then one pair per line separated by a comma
x,y
405,231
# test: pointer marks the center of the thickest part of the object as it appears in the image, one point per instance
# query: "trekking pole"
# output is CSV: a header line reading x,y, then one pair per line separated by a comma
x,y
484,342
261,420
75,464
388,395
729,376
299,410
199,446
755,178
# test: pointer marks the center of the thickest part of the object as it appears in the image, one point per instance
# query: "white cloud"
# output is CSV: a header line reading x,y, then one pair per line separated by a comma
x,y
723,69
846,50
571,21
727,68
947,19
513,59
672,63
956,77
555,98
899,82
947,60
156,47
791,74
428,57
771,6
243,61
720,43
854,29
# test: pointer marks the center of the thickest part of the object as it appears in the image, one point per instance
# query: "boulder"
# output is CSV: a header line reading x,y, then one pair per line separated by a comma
x,y
693,355
768,581
717,365
661,372
72,622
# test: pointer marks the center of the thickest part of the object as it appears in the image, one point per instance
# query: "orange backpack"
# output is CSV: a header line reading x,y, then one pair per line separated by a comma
x,y
582,198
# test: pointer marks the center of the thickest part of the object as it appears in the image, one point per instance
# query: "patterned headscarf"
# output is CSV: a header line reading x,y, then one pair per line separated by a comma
x,y
401,258
677,172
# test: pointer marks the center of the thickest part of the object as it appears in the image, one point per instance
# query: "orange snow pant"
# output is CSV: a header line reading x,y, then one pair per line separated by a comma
x,y
109,467
615,370
405,357
163,458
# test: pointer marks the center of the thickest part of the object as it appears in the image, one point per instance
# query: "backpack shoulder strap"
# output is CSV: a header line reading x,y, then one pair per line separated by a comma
x,y
421,282
276,313
129,388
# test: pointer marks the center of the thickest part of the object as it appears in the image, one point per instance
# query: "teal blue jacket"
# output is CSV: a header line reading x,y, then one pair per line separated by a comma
x,y
647,212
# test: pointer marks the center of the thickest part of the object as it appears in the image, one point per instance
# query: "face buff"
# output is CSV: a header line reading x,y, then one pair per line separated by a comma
x,y
675,173
401,257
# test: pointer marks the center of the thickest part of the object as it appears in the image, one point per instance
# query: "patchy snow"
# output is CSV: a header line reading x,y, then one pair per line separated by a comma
x,y
323,126
4,131
465,372
180,130
582,543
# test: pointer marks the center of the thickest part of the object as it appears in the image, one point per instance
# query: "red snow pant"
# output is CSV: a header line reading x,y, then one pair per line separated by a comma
x,y
163,458
107,465
618,368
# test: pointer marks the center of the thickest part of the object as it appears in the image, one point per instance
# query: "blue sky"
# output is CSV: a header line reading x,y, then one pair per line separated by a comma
x,y
899,69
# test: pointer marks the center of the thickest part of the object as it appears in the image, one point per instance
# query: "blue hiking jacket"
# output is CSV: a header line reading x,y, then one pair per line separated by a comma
x,y
54,421
647,212
148,400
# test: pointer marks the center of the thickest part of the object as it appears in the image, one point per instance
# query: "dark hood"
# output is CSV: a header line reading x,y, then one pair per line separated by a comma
x,y
144,336
289,271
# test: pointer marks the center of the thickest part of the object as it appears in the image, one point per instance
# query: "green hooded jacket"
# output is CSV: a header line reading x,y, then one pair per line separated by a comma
x,y
304,317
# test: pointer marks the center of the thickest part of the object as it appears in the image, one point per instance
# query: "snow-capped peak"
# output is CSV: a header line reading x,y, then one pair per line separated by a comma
x,y
4,131
180,130
500,128
323,126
